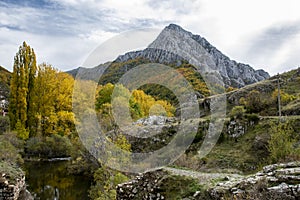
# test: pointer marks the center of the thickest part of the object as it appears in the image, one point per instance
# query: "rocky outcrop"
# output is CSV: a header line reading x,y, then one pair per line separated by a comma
x,y
175,44
238,126
149,134
155,120
236,129
154,132
276,182
279,181
153,55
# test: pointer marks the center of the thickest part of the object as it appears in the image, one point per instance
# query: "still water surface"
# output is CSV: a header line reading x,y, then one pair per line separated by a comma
x,y
51,181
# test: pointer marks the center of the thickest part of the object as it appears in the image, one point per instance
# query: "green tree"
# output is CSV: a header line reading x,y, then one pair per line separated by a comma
x,y
22,86
41,97
104,95
22,133
285,97
237,112
31,100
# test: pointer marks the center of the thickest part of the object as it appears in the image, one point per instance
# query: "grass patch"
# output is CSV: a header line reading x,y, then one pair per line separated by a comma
x,y
179,187
11,172
246,154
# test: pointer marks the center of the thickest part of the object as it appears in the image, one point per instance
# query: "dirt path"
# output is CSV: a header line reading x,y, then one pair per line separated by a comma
x,y
202,177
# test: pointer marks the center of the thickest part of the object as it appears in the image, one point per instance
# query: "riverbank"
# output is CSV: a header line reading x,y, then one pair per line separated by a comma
x,y
47,167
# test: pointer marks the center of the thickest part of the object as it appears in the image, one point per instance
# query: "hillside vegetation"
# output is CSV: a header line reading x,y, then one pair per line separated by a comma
x,y
253,137
5,77
262,97
42,122
253,134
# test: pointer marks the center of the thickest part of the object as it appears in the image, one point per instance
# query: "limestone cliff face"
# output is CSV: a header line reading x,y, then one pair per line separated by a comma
x,y
152,54
175,44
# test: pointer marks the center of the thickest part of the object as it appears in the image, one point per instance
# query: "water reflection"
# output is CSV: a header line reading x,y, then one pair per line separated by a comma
x,y
51,181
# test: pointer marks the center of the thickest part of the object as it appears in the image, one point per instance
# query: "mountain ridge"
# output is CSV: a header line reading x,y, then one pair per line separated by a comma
x,y
233,73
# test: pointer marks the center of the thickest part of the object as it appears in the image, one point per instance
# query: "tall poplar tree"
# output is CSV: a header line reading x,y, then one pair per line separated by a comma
x,y
21,107
31,100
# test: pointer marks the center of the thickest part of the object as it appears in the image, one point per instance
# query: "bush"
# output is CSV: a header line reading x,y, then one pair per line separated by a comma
x,y
105,184
253,102
4,124
9,154
14,140
252,117
83,163
48,147
282,143
21,131
284,97
230,89
237,112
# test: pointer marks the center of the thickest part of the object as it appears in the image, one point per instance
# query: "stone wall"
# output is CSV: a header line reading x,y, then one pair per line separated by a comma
x,y
143,187
12,183
276,182
10,190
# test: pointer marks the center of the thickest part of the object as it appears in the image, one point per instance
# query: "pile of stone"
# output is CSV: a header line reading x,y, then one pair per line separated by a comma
x,y
279,181
9,190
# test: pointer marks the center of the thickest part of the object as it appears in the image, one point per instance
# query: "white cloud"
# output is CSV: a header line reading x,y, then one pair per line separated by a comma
x,y
65,31
61,52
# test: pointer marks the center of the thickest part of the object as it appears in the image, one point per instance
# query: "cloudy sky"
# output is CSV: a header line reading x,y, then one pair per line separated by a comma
x,y
262,33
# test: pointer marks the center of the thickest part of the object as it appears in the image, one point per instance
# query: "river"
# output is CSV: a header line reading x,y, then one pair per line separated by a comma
x,y
51,181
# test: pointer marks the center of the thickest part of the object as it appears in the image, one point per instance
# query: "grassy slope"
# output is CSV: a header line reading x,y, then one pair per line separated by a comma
x,y
249,152
289,84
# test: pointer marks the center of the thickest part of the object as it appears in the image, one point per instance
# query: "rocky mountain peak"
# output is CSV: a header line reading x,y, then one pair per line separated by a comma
x,y
177,28
174,44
